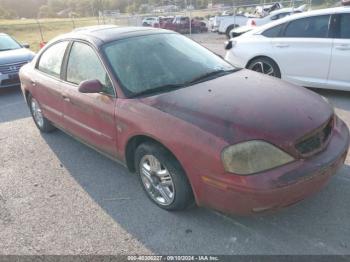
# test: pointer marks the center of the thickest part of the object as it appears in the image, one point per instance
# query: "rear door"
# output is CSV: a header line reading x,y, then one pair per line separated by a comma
x,y
303,52
339,76
89,116
47,82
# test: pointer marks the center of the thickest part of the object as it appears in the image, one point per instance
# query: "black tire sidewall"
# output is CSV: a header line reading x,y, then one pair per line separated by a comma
x,y
47,126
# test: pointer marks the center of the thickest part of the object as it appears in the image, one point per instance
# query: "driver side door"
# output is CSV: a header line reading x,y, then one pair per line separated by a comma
x,y
89,116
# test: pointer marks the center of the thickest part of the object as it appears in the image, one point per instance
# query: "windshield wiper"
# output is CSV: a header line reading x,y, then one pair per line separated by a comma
x,y
159,89
210,75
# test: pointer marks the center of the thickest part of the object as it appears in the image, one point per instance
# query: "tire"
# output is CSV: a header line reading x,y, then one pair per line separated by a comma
x,y
265,65
44,125
172,179
228,30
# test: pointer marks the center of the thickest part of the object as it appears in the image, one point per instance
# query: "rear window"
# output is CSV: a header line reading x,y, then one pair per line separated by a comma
x,y
309,27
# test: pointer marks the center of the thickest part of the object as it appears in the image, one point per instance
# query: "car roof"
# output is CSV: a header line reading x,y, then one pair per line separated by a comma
x,y
101,34
326,11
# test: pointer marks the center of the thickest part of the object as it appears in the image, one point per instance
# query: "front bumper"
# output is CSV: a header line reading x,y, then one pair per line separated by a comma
x,y
9,80
279,187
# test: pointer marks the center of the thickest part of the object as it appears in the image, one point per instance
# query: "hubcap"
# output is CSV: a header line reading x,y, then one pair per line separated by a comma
x,y
37,113
263,67
157,180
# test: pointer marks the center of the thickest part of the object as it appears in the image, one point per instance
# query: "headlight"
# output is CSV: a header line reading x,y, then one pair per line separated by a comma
x,y
252,157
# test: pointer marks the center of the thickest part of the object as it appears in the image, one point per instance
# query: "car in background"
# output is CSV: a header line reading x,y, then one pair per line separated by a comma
x,y
155,110
275,15
181,24
258,21
310,49
225,24
150,21
13,56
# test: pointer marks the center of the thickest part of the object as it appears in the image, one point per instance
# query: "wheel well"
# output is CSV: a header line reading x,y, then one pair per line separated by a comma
x,y
260,56
131,146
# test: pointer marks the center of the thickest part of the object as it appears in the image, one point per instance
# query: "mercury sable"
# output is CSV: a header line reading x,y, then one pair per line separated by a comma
x,y
193,127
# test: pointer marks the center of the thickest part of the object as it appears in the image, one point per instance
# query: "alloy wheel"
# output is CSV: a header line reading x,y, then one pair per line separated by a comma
x,y
157,180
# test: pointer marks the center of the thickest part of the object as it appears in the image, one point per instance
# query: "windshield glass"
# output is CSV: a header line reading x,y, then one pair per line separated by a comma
x,y
162,62
7,43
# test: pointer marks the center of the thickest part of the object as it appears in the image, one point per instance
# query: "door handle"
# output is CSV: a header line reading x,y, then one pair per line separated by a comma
x,y
66,98
343,47
33,82
281,45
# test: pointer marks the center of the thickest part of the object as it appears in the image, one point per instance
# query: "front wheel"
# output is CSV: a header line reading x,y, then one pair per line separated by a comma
x,y
40,121
266,66
162,177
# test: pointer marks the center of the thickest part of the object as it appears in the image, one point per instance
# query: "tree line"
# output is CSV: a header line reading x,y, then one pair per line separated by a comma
x,y
12,9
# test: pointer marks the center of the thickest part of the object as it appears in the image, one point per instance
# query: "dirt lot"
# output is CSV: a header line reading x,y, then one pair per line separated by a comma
x,y
59,197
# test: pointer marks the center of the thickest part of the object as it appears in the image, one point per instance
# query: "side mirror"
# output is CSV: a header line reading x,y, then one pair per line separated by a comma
x,y
26,45
90,86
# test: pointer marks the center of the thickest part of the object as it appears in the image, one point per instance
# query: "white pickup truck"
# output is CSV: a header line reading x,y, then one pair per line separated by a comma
x,y
224,24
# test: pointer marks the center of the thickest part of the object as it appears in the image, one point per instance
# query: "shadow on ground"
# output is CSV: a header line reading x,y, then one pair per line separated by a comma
x,y
319,225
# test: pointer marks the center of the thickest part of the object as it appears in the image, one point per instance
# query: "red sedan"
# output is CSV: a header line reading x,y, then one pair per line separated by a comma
x,y
189,124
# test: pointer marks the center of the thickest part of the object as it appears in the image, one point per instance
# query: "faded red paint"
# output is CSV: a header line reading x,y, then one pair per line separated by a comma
x,y
196,123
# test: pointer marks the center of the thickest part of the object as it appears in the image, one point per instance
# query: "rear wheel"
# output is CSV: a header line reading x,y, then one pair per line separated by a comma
x,y
266,66
162,177
40,121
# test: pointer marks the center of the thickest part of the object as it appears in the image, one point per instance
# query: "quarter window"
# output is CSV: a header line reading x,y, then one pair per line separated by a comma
x,y
310,27
345,26
51,60
274,31
84,64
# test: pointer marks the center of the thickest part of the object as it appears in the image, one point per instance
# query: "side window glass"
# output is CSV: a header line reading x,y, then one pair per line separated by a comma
x,y
274,31
51,60
310,27
345,26
84,64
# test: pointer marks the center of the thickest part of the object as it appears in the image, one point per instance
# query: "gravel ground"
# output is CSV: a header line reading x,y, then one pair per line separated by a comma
x,y
59,197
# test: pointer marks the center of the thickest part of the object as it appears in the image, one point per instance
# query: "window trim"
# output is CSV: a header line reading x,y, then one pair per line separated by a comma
x,y
36,66
328,32
66,60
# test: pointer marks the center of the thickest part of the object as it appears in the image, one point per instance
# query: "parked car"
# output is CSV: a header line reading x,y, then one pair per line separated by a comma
x,y
226,23
13,56
181,24
150,21
310,49
275,15
230,139
256,21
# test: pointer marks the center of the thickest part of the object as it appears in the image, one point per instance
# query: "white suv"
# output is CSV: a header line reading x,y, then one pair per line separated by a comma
x,y
310,49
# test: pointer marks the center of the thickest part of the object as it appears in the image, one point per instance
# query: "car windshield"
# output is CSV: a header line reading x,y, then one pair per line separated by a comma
x,y
8,43
162,62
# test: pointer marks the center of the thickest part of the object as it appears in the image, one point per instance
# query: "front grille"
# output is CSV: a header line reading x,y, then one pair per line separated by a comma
x,y
11,68
315,142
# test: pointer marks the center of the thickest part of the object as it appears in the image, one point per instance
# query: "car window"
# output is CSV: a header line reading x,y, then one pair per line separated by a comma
x,y
274,31
310,27
51,60
345,26
84,64
169,60
8,43
283,15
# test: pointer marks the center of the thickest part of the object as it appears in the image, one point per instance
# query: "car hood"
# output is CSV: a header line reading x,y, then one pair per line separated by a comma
x,y
246,105
15,56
